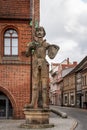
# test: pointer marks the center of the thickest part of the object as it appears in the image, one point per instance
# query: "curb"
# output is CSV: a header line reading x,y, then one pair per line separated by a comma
x,y
74,125
62,114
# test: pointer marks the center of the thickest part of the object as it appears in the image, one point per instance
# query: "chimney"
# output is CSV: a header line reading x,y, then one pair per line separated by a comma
x,y
67,61
75,63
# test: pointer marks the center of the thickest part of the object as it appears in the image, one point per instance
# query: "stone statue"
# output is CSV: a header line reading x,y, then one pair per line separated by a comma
x,y
39,47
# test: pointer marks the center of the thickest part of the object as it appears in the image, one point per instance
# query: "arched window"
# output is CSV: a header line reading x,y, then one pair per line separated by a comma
x,y
10,43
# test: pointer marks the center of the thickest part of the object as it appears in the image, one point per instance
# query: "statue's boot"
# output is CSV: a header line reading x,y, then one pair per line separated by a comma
x,y
34,99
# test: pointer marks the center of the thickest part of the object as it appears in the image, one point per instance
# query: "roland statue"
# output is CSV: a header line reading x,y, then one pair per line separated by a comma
x,y
39,48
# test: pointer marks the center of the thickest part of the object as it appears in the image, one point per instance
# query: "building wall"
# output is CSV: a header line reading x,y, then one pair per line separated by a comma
x,y
11,8
75,86
15,84
24,36
81,84
84,88
15,70
18,9
69,90
37,10
59,70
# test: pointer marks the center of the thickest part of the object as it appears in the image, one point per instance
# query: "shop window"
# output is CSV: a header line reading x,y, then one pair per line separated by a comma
x,y
66,99
72,99
10,43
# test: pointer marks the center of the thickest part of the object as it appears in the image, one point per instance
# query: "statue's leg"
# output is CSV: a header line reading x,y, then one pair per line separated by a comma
x,y
44,92
34,96
34,87
44,78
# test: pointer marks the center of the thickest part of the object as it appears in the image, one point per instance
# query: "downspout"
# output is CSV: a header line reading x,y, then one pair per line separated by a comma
x,y
32,20
31,9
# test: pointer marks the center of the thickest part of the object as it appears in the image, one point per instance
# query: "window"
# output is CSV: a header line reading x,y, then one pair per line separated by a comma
x,y
10,43
84,80
65,99
72,99
86,96
78,75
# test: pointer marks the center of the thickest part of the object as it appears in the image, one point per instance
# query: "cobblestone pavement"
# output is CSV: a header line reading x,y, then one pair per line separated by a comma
x,y
59,124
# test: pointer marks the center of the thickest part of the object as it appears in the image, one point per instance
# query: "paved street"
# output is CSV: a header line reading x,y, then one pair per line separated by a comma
x,y
79,114
59,124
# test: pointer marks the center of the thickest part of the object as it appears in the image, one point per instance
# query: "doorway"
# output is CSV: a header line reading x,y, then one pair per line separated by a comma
x,y
6,110
79,100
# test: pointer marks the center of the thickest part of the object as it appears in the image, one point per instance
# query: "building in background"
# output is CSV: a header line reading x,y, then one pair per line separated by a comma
x,y
72,86
81,84
75,86
56,80
69,96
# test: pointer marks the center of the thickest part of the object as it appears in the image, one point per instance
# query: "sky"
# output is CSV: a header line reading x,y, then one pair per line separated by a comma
x,y
65,23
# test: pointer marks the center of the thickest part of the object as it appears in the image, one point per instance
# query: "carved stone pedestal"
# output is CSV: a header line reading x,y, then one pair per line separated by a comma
x,y
36,118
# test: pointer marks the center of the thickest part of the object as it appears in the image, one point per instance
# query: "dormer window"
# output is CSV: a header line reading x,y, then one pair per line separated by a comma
x,y
10,43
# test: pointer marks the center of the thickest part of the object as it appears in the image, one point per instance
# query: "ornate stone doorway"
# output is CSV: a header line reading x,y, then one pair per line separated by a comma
x,y
6,110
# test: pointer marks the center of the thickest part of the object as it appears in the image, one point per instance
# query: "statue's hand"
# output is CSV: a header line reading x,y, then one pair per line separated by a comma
x,y
30,48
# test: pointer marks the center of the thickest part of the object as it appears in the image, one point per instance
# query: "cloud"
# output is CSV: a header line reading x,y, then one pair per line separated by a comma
x,y
65,22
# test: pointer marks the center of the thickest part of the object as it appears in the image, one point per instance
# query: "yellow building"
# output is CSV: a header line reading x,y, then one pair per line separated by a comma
x,y
75,86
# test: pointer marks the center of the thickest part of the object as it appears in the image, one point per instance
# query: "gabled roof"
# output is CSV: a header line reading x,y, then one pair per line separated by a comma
x,y
81,66
67,71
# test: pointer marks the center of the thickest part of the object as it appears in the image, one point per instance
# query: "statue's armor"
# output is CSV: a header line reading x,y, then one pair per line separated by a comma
x,y
40,68
39,61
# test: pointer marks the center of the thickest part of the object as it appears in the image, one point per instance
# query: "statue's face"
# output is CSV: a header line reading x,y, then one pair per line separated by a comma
x,y
40,32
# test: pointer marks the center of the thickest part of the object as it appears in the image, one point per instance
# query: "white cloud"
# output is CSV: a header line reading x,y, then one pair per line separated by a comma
x,y
76,9
65,22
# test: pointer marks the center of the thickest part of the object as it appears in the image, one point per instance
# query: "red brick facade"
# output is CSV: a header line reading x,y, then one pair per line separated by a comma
x,y
14,9
18,9
15,70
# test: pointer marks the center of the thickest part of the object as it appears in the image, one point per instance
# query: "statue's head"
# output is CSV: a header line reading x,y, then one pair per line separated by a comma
x,y
40,32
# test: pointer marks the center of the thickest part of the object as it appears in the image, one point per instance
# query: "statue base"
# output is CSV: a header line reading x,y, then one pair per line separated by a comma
x,y
36,118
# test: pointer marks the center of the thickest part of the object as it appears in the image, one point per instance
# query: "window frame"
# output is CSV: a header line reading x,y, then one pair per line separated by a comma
x,y
10,46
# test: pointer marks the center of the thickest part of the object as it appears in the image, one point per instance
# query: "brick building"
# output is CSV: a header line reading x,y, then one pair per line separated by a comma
x,y
75,86
81,84
15,32
56,76
68,90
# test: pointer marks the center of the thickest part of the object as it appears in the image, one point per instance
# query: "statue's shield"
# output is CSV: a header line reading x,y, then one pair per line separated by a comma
x,y
52,51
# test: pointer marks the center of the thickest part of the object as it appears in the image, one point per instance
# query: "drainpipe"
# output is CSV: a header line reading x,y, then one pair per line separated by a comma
x,y
31,9
33,19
